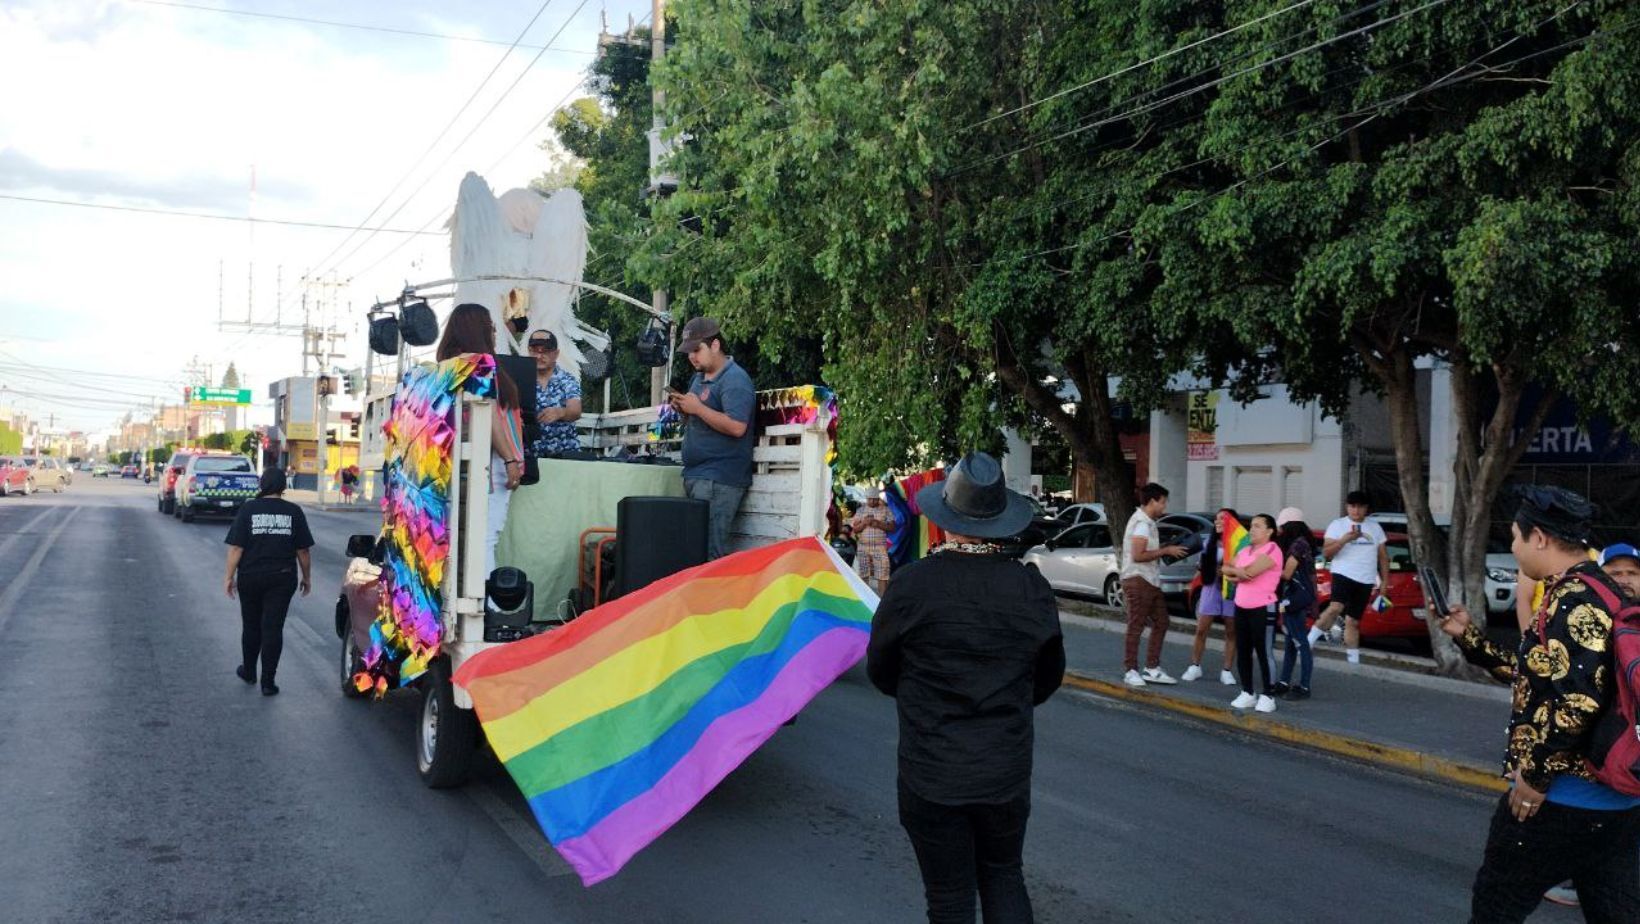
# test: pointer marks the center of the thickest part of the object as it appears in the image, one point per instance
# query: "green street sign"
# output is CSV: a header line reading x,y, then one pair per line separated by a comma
x,y
199,394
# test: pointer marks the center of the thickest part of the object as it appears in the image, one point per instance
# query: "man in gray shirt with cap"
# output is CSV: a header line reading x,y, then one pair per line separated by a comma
x,y
718,433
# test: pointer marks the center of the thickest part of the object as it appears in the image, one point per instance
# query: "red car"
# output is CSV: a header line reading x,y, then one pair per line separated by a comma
x,y
15,477
1405,616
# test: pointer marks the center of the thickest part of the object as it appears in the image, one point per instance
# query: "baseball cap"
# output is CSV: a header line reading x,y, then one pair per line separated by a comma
x,y
1288,515
698,331
1616,551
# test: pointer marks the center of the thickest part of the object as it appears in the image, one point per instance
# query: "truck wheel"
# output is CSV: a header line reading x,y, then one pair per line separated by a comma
x,y
446,735
351,664
187,513
176,511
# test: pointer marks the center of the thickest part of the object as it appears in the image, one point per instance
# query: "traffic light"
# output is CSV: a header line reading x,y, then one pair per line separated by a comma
x,y
353,427
352,381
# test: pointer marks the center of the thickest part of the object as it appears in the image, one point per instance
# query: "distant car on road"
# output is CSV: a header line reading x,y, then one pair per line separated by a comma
x,y
129,471
99,470
49,473
168,481
15,476
215,483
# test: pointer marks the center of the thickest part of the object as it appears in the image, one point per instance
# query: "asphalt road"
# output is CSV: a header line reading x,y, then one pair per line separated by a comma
x,y
141,781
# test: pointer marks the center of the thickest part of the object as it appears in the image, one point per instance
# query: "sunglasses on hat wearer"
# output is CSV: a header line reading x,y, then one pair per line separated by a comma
x,y
542,346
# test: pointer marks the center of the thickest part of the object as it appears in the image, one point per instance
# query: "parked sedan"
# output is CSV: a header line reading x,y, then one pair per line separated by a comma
x,y
15,476
1081,560
49,473
1077,514
1501,569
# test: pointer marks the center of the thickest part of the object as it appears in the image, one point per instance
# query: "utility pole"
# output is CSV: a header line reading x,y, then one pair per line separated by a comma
x,y
657,51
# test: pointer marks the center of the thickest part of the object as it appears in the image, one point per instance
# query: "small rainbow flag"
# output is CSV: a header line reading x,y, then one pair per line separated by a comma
x,y
616,725
1233,540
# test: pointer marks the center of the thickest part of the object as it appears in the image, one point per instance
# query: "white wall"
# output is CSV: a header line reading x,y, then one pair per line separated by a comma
x,y
1167,451
1016,463
1285,454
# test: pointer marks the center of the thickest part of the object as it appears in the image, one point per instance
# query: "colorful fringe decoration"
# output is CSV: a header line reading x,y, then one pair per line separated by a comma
x,y
800,405
914,534
420,435
616,725
1233,540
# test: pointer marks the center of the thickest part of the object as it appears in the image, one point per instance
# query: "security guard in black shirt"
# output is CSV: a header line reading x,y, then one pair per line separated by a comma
x,y
267,543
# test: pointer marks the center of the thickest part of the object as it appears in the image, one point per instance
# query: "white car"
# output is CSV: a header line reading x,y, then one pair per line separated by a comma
x,y
1501,568
1077,514
1081,560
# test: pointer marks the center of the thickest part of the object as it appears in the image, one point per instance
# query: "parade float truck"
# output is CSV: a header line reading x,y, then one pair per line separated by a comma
x,y
422,585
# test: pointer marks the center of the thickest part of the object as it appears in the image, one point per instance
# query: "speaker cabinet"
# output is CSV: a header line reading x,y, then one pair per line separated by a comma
x,y
656,537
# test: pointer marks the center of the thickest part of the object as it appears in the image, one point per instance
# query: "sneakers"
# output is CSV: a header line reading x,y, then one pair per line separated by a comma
x,y
1227,678
1279,688
1157,675
1298,693
1265,704
1132,679
1193,672
1563,895
1243,701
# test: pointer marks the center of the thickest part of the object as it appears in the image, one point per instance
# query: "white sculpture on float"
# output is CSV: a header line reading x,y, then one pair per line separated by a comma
x,y
522,234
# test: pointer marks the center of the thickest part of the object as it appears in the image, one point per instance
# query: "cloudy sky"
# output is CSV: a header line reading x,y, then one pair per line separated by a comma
x,y
172,106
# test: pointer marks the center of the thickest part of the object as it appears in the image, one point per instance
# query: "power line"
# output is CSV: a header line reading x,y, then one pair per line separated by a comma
x,y
470,132
461,110
17,360
1376,110
1152,106
351,25
181,213
1133,67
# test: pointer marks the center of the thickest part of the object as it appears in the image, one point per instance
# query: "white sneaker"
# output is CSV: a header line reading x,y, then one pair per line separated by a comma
x,y
1132,679
1193,672
1157,675
1243,701
1227,678
1265,704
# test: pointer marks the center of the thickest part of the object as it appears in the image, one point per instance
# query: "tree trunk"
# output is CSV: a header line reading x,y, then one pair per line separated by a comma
x,y
1487,452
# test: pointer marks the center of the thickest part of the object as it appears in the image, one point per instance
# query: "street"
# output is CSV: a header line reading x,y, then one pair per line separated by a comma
x,y
143,782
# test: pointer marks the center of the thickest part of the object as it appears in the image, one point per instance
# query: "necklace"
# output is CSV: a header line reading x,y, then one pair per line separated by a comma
x,y
967,548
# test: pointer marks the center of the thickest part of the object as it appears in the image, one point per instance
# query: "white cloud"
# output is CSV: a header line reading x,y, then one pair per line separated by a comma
x,y
138,104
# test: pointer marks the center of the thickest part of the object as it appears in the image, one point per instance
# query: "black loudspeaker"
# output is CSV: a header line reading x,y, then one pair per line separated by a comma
x,y
417,324
384,335
656,537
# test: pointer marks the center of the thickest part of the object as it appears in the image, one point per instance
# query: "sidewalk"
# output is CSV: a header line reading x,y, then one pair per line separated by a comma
x,y
309,498
1396,717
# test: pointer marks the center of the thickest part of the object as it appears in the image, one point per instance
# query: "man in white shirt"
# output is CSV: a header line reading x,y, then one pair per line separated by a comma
x,y
1356,553
1141,555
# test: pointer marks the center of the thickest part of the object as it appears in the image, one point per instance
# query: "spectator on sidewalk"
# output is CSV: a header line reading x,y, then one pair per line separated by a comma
x,y
871,525
1255,572
1297,601
1141,554
1358,556
968,642
1212,605
1557,822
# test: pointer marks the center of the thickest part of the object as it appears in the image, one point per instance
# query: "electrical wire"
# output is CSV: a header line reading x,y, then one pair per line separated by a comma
x,y
351,25
460,111
180,213
1133,67
1185,94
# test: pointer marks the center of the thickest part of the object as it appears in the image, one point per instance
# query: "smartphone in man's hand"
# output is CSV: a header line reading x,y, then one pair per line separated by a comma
x,y
1434,594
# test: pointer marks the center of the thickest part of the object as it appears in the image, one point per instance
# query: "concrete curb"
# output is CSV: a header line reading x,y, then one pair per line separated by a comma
x,y
1389,757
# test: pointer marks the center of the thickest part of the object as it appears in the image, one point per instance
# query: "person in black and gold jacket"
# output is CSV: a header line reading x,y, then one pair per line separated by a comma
x,y
1556,822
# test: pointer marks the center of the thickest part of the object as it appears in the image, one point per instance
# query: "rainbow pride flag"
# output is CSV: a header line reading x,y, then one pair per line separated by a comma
x,y
914,535
616,725
1233,540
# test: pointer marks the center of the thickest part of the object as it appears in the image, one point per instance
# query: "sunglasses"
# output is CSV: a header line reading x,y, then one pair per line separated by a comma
x,y
541,346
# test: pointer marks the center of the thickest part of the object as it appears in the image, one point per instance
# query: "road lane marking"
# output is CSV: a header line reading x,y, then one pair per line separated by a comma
x,y
20,580
25,529
523,833
1374,753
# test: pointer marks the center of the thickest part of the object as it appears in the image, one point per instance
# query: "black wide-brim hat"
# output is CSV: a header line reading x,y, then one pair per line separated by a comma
x,y
973,500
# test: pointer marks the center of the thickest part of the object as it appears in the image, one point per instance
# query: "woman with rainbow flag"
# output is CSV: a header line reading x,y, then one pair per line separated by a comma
x,y
1255,569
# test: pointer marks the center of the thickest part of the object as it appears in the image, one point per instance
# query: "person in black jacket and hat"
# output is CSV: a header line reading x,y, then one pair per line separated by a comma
x,y
267,544
968,643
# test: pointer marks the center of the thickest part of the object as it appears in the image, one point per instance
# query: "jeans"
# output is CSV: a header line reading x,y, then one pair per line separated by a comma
x,y
263,601
1250,625
1298,643
722,501
962,849
1599,851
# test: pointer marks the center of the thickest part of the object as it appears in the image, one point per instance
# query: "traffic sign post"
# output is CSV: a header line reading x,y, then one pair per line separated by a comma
x,y
200,394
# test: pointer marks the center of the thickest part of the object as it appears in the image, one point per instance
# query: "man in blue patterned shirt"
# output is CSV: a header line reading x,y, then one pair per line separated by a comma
x,y
557,398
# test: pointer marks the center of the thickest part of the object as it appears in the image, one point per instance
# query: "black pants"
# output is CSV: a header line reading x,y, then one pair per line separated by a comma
x,y
962,849
1598,851
263,602
1250,625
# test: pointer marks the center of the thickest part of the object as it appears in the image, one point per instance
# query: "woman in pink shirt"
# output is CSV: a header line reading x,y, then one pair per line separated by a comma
x,y
1256,570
